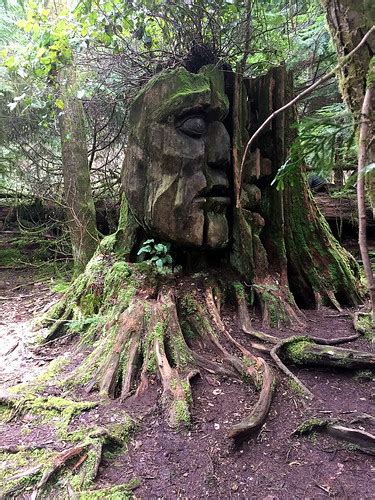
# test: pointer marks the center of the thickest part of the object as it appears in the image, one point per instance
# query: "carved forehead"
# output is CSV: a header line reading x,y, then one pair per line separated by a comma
x,y
172,93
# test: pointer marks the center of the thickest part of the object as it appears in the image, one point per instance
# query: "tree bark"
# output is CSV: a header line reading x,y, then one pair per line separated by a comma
x,y
348,21
364,136
78,195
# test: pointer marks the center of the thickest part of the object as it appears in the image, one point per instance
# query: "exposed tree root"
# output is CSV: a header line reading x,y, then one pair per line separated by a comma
x,y
275,356
277,304
75,468
358,438
304,351
143,326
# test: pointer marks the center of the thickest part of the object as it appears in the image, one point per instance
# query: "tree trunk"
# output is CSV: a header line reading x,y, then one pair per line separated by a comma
x,y
348,21
364,136
302,254
78,196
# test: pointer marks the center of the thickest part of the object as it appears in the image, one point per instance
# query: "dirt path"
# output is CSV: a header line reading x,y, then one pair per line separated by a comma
x,y
203,463
22,296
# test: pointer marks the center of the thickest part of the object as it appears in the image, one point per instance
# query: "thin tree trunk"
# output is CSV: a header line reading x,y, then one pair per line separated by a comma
x,y
78,195
364,136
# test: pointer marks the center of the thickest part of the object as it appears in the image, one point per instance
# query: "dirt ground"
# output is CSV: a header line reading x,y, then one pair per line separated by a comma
x,y
202,462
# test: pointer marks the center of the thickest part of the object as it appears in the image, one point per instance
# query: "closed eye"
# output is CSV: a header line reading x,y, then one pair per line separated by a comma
x,y
195,126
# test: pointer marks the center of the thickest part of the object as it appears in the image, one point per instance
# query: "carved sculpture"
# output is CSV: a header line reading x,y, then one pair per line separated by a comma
x,y
178,158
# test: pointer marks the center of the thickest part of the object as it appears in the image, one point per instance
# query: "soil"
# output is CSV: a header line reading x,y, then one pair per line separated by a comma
x,y
202,462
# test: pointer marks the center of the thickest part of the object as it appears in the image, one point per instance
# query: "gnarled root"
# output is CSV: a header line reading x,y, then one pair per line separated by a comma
x,y
358,438
304,351
206,322
277,304
78,464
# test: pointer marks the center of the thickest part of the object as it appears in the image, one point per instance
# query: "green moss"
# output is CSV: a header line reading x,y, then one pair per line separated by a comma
x,y
9,256
239,289
248,361
189,304
60,287
118,492
180,352
53,369
107,244
158,331
295,387
12,464
90,304
365,326
364,375
296,350
151,363
188,332
187,391
54,411
181,412
178,90
310,425
117,276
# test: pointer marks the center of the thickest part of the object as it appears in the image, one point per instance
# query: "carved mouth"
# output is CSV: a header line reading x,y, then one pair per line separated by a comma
x,y
217,196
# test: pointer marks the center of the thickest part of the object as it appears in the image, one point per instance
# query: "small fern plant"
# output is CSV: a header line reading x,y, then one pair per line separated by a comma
x,y
157,253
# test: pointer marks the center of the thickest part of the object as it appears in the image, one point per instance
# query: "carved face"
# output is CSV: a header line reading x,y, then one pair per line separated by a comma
x,y
178,158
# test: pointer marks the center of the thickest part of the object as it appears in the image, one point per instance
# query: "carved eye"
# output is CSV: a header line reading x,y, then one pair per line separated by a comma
x,y
194,126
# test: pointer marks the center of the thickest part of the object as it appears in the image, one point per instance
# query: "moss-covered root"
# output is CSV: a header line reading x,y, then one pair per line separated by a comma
x,y
167,337
304,351
359,439
82,296
364,325
74,469
244,319
121,361
277,304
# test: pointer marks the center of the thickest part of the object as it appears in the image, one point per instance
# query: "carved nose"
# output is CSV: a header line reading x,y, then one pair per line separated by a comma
x,y
217,147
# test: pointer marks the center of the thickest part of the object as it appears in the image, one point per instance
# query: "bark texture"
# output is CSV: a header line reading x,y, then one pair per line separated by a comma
x,y
348,21
78,195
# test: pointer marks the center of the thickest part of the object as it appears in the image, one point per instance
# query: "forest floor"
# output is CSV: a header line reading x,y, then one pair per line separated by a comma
x,y
202,462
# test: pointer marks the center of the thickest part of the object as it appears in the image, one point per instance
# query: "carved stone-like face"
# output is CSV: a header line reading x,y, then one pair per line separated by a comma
x,y
178,157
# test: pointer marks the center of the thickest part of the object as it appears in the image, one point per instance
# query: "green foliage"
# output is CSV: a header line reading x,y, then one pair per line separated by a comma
x,y
157,253
326,140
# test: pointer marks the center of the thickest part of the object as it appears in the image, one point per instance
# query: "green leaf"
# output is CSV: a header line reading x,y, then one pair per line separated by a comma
x,y
40,52
59,104
159,263
144,249
160,248
10,63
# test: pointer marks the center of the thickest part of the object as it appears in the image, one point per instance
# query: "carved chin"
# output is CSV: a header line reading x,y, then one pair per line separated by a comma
x,y
205,229
217,230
